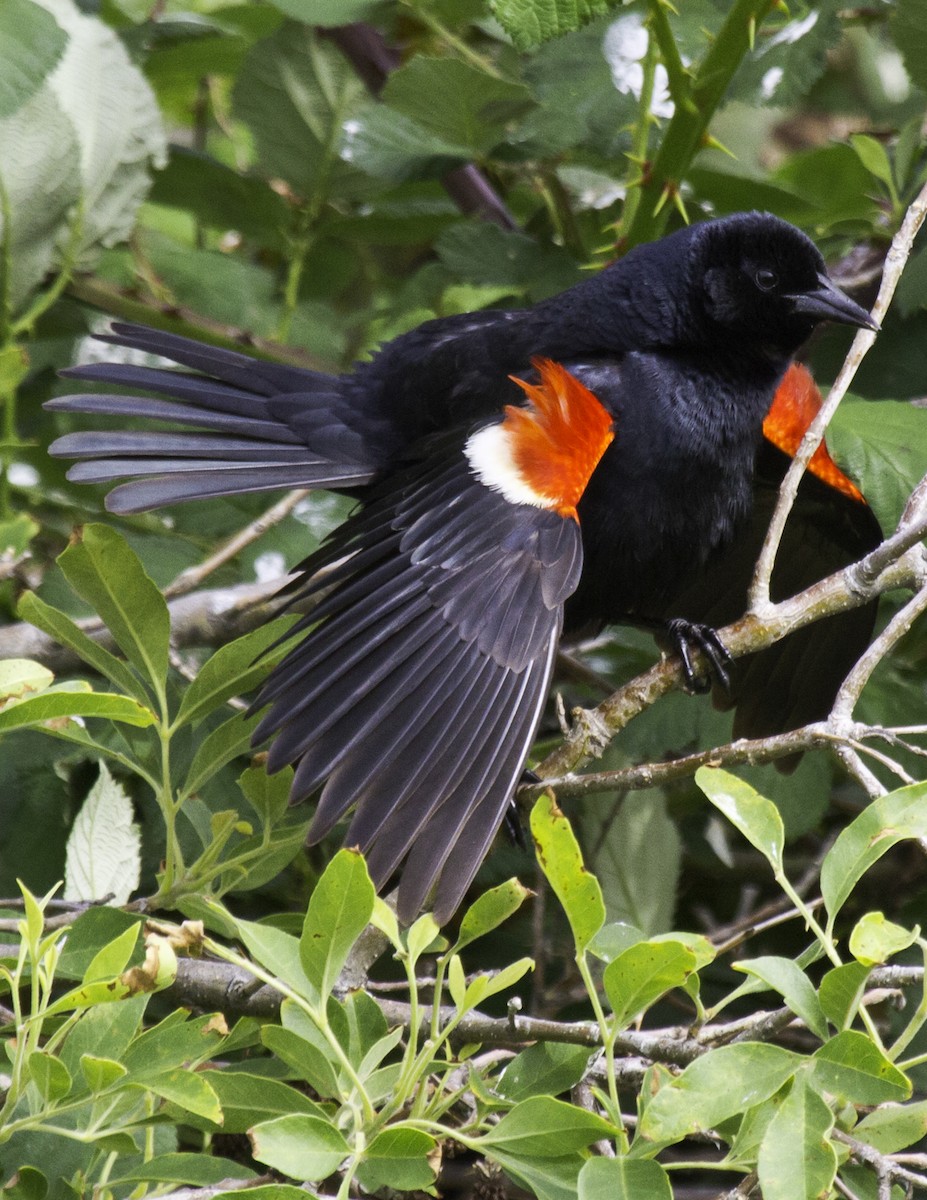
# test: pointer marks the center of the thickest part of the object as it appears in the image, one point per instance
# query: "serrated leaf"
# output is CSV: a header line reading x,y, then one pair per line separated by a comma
x,y
455,101
119,135
340,908
623,1179
885,822
39,158
791,982
300,1146
883,446
715,1087
797,1160
529,24
562,862
107,573
852,1066
756,817
31,42
104,846
643,973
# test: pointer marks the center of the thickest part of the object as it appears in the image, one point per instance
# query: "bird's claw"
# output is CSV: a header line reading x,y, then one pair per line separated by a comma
x,y
688,635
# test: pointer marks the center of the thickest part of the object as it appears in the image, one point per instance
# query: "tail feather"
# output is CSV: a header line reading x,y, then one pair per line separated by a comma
x,y
265,426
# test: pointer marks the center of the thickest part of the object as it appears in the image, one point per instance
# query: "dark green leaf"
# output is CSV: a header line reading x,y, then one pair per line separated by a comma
x,y
642,974
529,24
544,1069
545,1128
841,992
398,1158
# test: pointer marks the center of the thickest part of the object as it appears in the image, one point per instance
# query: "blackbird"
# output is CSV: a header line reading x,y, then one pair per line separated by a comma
x,y
599,457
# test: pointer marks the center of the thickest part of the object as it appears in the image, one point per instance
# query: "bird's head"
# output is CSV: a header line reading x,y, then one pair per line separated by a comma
x,y
755,278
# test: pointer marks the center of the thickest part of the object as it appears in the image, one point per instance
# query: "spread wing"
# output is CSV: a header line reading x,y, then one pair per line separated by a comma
x,y
415,695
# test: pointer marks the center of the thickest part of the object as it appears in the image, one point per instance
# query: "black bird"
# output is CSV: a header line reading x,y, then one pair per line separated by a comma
x,y
499,489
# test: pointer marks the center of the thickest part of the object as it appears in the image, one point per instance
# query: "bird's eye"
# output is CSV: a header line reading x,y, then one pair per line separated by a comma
x,y
765,279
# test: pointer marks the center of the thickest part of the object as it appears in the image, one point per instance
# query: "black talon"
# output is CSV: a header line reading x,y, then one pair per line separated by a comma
x,y
683,636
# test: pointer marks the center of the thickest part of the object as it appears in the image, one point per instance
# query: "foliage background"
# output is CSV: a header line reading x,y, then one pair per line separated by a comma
x,y
272,176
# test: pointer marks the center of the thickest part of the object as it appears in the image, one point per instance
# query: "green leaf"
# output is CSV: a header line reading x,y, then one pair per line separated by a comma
x,y
841,993
885,822
268,795
642,974
636,855
562,862
309,1059
20,676
791,982
31,43
231,671
883,446
340,908
49,1074
197,1170
545,1178
489,911
544,1128
104,845
275,950
300,1146
715,1087
852,1066
456,101
113,958
529,24
623,1179
60,627
225,743
490,985
875,940
295,92
106,572
186,1088
544,1069
796,1159
75,699
18,531
393,147
327,12
874,157
489,256
756,817
398,1158
247,1099
101,1073
894,1127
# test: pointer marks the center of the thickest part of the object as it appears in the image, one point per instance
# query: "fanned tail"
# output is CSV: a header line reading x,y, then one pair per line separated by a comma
x,y
245,425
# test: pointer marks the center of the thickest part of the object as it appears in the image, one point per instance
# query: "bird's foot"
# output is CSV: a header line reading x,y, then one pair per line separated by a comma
x,y
684,637
514,827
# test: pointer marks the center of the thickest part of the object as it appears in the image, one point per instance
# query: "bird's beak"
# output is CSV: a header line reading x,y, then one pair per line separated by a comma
x,y
827,303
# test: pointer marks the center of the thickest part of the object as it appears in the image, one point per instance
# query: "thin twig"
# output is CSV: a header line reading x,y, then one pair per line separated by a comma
x,y
897,257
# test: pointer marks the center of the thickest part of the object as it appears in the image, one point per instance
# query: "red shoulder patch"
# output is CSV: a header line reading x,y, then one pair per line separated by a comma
x,y
557,441
794,407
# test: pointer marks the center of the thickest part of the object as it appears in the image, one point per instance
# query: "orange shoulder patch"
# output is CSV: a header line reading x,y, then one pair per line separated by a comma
x,y
794,407
557,441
